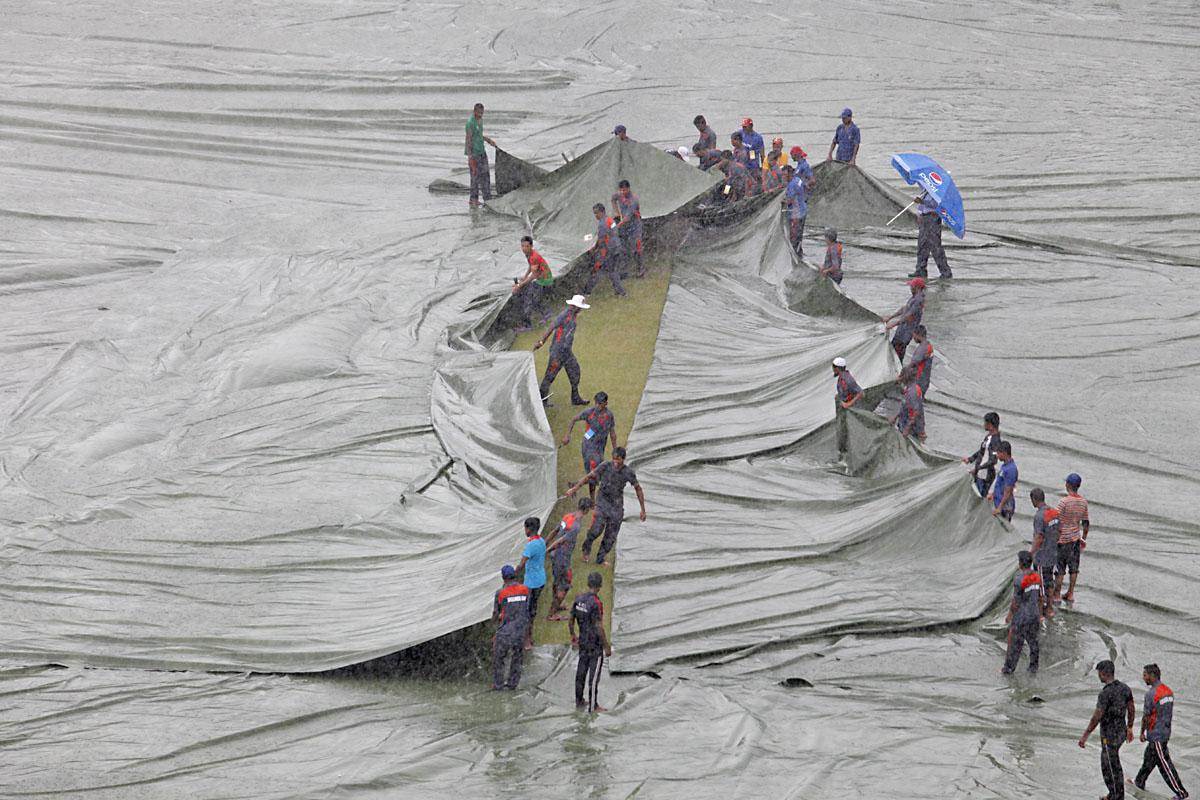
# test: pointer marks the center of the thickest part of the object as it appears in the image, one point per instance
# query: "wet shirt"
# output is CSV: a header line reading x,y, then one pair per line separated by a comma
x,y
1045,522
599,427
709,158
605,231
753,142
911,316
775,158
797,198
921,360
804,171
984,459
610,499
847,387
562,331
535,562
708,138
475,131
1112,703
511,607
568,532
833,260
1006,477
542,275
1158,707
927,205
846,139
588,612
629,209
737,179
773,179
1072,510
1027,594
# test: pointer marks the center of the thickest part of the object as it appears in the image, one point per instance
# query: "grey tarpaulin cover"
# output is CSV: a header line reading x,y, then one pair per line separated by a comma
x,y
229,303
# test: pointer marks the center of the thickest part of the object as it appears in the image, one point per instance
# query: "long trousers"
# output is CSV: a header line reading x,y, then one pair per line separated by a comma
x,y
611,267
1110,768
796,234
1022,634
610,526
587,675
1157,755
531,302
481,176
631,245
503,651
559,361
929,241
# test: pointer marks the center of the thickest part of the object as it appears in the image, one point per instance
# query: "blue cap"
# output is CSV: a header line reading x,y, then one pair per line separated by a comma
x,y
507,572
1074,480
619,129
846,112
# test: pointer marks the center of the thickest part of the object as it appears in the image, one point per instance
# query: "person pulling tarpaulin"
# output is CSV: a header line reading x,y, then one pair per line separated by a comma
x,y
605,253
533,285
477,158
921,358
599,425
906,319
510,610
910,419
629,225
612,477
832,268
737,179
848,390
983,460
562,356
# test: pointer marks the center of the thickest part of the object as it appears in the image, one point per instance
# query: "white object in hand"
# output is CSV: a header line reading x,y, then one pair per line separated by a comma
x,y
587,237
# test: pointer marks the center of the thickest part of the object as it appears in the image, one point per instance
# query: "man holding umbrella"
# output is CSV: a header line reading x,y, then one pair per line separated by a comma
x,y
929,238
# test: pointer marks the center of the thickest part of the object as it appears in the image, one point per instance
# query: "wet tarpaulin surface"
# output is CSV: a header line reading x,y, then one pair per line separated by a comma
x,y
162,163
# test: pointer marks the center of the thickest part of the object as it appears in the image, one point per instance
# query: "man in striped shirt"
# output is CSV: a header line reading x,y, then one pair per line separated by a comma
x,y
1073,525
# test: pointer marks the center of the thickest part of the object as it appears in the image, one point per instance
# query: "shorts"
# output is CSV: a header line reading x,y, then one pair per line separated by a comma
x,y
533,601
1068,557
562,574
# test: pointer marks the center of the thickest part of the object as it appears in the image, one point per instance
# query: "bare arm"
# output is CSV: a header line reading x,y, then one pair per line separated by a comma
x,y
566,440
521,284
575,488
637,487
852,399
1092,723
854,155
1129,714
614,444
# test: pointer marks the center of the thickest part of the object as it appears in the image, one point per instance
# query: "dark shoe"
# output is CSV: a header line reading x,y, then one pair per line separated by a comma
x,y
624,276
945,276
918,274
1006,672
578,401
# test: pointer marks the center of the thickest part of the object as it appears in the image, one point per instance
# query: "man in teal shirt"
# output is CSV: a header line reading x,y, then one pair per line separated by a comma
x,y
477,159
533,562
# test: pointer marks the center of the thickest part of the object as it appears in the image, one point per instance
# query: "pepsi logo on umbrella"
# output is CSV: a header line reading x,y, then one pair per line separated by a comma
x,y
936,178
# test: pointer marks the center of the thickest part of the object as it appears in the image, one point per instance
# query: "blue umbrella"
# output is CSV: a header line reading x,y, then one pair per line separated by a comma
x,y
936,181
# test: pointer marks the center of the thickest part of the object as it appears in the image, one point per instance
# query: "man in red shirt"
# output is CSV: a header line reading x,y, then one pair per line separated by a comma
x,y
533,285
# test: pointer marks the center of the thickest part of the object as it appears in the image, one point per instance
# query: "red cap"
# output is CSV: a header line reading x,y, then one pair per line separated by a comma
x,y
747,122
798,151
917,283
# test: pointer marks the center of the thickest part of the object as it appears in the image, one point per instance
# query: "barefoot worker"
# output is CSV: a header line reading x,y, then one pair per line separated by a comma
x,y
600,425
561,549
588,613
612,477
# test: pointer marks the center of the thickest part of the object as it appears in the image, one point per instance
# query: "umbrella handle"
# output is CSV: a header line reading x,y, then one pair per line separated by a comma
x,y
906,208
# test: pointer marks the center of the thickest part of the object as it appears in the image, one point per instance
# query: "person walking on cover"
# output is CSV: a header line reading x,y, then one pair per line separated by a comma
x,y
832,268
599,424
795,198
1073,529
848,390
533,285
846,138
929,239
612,477
561,549
755,146
906,319
562,334
1158,712
921,358
587,612
629,229
1024,615
1003,493
477,158
606,259
510,610
983,460
1114,714
1044,546
737,178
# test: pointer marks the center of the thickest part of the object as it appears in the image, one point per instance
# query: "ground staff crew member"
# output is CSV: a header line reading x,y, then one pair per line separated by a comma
x,y
983,460
1157,714
477,159
1045,545
1024,615
906,318
534,284
612,477
561,549
848,390
1114,714
629,229
510,609
562,333
600,424
929,239
605,260
1073,528
921,358
588,613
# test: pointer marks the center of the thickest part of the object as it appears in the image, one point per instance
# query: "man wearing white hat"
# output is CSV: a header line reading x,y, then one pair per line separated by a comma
x,y
848,390
562,335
